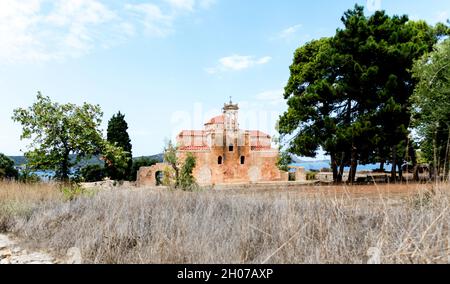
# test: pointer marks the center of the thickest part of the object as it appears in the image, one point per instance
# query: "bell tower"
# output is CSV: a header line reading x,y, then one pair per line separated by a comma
x,y
230,112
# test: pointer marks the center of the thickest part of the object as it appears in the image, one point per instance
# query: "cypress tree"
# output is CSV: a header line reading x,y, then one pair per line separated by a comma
x,y
117,134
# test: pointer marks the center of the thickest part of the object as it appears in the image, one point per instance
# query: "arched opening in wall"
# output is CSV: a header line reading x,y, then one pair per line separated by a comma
x,y
292,176
220,160
242,160
159,175
231,148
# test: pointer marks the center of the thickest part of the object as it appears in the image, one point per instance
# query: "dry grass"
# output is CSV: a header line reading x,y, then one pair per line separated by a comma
x,y
322,225
20,201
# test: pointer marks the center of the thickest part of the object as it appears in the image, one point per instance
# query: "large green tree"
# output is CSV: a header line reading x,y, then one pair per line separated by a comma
x,y
7,169
349,94
431,106
58,131
117,134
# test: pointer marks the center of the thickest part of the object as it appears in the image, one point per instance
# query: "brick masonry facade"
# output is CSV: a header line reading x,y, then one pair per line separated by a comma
x,y
224,153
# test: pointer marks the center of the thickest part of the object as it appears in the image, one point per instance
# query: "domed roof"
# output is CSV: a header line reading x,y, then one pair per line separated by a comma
x,y
216,120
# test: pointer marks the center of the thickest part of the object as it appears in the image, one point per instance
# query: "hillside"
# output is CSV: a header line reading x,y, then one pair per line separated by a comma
x,y
21,160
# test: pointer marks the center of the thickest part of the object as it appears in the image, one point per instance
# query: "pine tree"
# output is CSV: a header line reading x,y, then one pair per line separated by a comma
x,y
349,94
117,134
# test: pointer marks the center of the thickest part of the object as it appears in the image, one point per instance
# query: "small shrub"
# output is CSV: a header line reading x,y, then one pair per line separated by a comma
x,y
93,173
311,175
73,191
186,180
27,176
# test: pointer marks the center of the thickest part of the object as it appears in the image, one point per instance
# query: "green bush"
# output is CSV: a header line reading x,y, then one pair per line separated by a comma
x,y
138,163
93,173
186,179
72,191
311,175
27,176
7,169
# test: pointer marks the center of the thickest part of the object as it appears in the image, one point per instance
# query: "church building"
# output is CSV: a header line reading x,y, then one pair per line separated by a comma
x,y
225,153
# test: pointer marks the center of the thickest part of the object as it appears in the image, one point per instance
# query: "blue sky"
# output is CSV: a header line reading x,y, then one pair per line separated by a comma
x,y
166,64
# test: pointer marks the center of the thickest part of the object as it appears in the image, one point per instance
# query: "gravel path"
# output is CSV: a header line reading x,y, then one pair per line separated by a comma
x,y
11,253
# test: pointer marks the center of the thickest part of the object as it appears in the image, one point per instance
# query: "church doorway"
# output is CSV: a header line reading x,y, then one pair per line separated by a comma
x,y
159,175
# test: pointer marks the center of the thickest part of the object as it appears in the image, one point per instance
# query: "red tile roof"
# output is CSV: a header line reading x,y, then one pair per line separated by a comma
x,y
257,133
216,120
192,133
194,148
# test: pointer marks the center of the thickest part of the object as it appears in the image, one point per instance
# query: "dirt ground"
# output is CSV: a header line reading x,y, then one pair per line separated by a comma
x,y
389,191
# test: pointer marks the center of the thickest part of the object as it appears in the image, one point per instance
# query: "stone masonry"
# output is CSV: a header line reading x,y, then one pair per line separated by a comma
x,y
224,153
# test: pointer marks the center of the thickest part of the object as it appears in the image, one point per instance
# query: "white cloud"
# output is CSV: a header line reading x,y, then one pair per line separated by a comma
x,y
442,16
287,33
182,4
273,97
206,4
39,30
237,62
155,22
43,30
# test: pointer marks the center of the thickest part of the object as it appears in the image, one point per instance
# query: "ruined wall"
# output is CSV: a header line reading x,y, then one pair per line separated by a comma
x,y
146,176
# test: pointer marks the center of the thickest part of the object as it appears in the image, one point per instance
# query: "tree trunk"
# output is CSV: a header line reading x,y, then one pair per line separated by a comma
x,y
414,164
334,168
341,168
400,172
394,164
447,158
353,165
382,166
435,169
416,172
65,167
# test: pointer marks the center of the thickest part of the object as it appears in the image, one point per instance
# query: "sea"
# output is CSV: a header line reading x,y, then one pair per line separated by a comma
x,y
309,166
318,165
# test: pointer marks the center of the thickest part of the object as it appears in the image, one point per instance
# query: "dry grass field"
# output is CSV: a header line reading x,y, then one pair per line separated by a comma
x,y
334,224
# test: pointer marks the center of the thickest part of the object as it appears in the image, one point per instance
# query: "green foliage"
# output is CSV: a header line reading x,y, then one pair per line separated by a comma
x,y
170,157
311,175
284,160
431,105
115,157
349,94
58,130
72,191
117,135
7,170
93,173
141,162
186,180
27,175
179,175
169,178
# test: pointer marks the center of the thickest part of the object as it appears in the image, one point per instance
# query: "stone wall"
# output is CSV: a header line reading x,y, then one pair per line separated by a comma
x,y
147,175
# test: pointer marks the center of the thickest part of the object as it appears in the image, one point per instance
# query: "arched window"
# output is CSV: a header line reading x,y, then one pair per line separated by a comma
x,y
242,160
231,148
220,160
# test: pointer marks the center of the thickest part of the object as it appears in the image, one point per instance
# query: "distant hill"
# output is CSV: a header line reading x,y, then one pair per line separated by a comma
x,y
297,160
157,157
21,160
18,160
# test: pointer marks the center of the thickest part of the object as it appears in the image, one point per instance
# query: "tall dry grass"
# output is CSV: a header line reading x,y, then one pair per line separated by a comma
x,y
140,226
18,200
